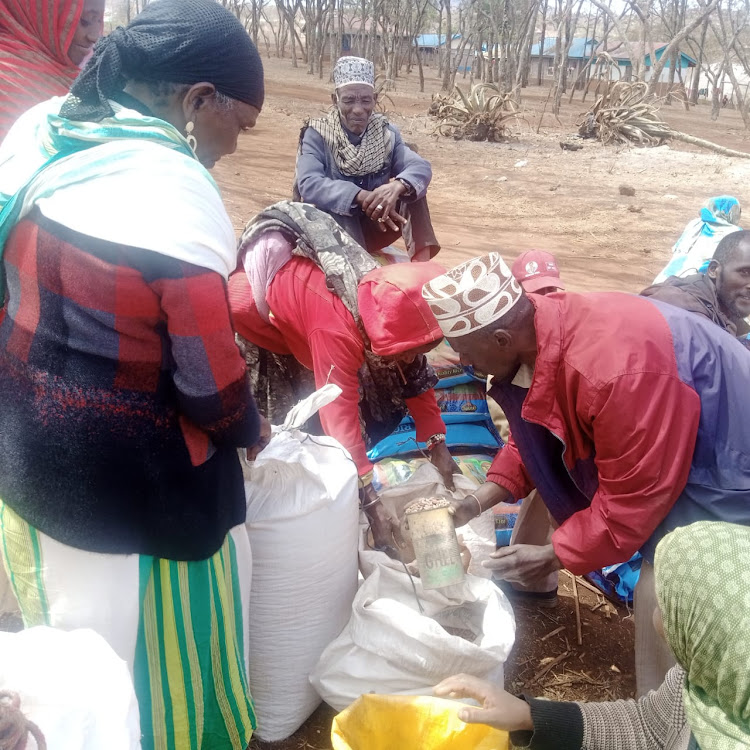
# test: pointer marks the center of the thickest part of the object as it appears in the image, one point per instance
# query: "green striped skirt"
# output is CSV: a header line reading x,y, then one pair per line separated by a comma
x,y
180,626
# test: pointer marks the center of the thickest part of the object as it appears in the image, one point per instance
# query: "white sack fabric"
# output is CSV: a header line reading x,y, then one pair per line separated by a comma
x,y
390,647
73,686
302,519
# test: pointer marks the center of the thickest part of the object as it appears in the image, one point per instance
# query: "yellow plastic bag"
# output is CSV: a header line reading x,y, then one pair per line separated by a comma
x,y
406,722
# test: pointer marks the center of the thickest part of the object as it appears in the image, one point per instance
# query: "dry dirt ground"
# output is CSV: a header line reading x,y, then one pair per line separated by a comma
x,y
526,193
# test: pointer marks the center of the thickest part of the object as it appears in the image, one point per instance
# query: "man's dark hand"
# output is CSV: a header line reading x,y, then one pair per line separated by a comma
x,y
523,563
442,460
381,202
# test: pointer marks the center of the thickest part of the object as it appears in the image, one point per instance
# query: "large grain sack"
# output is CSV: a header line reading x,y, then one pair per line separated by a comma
x,y
404,640
302,519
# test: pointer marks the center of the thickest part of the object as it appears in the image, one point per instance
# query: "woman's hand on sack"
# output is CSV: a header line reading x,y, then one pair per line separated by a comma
x,y
499,709
386,532
443,461
523,563
263,440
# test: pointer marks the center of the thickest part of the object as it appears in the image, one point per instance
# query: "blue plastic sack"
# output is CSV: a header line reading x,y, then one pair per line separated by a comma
x,y
618,581
478,437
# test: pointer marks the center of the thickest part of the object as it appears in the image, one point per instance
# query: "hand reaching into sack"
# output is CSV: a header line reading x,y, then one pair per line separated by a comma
x,y
499,708
442,460
475,503
386,531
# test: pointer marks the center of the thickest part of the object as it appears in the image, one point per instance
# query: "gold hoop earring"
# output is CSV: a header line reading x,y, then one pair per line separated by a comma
x,y
189,137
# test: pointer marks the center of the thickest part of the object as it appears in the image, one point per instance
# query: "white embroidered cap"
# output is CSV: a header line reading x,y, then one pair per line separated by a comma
x,y
472,295
353,70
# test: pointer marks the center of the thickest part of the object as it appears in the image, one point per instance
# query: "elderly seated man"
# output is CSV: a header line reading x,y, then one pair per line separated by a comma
x,y
353,164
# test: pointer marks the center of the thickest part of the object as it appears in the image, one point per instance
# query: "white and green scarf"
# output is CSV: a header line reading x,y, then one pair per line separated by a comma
x,y
98,165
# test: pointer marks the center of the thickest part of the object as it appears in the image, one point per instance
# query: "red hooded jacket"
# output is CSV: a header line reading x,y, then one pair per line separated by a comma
x,y
608,428
312,323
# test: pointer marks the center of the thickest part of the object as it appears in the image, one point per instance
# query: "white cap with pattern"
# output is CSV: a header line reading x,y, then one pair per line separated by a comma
x,y
471,296
353,70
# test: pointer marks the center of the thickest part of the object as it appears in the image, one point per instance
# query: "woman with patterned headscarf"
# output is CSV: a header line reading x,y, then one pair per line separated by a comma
x,y
124,397
43,46
702,575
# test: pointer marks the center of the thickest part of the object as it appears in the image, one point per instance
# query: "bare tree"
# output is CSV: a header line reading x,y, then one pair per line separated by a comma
x,y
657,66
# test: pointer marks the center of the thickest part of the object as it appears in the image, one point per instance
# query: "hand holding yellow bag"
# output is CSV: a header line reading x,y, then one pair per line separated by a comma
x,y
405,722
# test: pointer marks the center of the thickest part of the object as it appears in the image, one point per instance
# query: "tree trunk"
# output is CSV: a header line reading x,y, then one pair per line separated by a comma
x,y
716,99
541,43
658,65
448,63
696,88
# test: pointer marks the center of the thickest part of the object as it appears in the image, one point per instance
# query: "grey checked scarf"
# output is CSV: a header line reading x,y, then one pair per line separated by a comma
x,y
372,153
319,238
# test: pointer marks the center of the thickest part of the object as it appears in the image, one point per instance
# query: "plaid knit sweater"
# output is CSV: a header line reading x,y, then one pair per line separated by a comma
x,y
123,396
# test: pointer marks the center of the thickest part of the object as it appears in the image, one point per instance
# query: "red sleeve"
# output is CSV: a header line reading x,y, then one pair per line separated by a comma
x,y
426,412
337,357
644,429
508,471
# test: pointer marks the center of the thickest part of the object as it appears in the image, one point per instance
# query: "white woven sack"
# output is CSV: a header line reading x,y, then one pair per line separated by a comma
x,y
302,519
391,647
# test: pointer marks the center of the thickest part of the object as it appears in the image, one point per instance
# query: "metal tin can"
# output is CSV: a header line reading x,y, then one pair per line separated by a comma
x,y
433,535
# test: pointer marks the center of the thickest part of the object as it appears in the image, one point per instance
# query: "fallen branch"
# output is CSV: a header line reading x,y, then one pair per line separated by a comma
x,y
553,632
547,667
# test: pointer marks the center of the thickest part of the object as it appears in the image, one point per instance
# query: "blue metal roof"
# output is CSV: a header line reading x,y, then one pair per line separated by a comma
x,y
433,40
580,48
685,60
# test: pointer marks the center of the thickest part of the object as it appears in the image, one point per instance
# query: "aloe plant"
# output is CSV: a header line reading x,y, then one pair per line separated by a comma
x,y
482,115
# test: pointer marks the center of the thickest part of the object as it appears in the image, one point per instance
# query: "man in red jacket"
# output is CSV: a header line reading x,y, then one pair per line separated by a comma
x,y
629,415
310,322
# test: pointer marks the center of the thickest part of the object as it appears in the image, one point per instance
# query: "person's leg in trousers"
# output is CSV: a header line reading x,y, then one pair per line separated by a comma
x,y
418,233
533,527
653,659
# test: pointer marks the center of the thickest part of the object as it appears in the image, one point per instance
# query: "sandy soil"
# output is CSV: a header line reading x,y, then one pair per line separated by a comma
x,y
482,199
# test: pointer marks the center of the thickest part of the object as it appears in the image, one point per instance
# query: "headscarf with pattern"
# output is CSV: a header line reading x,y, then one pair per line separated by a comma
x,y
177,41
703,587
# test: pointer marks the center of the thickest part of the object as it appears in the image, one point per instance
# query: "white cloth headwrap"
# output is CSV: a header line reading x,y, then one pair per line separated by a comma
x,y
353,70
472,295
